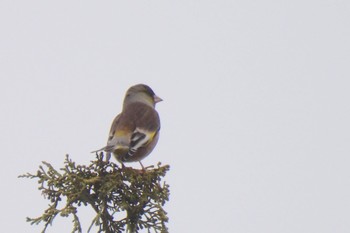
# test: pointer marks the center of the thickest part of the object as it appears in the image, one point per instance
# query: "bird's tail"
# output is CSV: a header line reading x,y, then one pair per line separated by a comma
x,y
106,148
95,151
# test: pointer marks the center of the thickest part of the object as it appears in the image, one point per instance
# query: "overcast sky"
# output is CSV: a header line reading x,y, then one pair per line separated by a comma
x,y
255,118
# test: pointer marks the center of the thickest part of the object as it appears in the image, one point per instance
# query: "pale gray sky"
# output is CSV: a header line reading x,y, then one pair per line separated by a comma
x,y
255,118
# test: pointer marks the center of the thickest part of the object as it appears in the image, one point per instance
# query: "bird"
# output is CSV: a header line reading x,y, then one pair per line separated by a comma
x,y
134,132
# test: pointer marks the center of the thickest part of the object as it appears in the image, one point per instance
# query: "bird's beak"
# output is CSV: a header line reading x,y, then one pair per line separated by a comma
x,y
157,99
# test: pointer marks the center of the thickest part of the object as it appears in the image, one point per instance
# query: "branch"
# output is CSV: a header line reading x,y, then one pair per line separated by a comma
x,y
111,191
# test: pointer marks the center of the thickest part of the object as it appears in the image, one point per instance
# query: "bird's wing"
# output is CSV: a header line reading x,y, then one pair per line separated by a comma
x,y
120,133
140,138
110,144
113,127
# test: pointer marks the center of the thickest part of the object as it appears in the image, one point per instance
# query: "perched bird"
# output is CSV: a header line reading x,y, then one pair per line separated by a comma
x,y
135,131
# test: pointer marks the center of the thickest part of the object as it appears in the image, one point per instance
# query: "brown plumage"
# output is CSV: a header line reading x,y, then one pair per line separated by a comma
x,y
135,131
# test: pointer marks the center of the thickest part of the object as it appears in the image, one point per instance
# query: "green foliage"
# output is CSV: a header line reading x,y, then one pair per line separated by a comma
x,y
123,198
